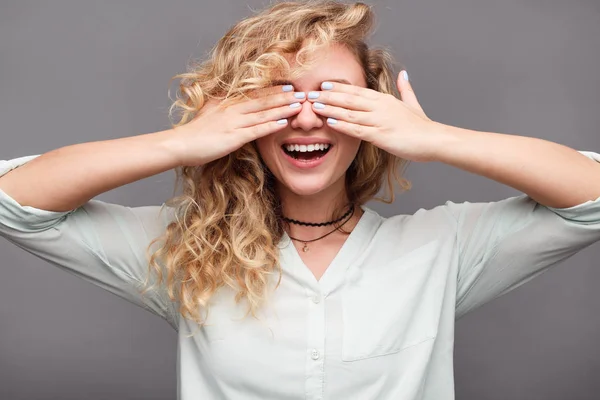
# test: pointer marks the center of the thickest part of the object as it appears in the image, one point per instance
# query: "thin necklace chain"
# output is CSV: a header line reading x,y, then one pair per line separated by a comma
x,y
306,242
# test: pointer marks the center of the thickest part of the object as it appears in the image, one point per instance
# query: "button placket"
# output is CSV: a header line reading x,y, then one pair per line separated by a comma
x,y
315,360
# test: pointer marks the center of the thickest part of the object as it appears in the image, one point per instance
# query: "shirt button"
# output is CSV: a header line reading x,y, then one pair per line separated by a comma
x,y
314,354
316,299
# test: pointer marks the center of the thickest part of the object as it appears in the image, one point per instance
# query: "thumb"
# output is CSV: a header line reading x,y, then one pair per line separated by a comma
x,y
407,93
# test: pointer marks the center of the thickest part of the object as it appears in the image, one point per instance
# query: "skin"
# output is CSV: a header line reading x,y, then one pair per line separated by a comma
x,y
310,195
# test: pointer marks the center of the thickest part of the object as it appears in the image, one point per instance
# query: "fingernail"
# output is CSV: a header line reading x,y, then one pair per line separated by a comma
x,y
326,85
405,75
331,121
288,88
282,121
313,95
299,95
294,105
319,106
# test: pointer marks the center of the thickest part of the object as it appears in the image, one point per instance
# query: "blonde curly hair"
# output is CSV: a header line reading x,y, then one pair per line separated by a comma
x,y
228,223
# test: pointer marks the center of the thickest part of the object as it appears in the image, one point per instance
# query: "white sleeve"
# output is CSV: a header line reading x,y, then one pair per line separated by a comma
x,y
503,244
100,242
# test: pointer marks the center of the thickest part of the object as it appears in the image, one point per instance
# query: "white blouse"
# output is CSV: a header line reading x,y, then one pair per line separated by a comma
x,y
379,324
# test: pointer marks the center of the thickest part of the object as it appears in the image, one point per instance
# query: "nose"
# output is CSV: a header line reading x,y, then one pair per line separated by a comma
x,y
307,119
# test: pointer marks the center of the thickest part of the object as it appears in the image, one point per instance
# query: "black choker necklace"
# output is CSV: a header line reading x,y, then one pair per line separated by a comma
x,y
306,242
293,221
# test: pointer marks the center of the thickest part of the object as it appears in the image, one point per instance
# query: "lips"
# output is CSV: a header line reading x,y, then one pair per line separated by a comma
x,y
305,160
300,157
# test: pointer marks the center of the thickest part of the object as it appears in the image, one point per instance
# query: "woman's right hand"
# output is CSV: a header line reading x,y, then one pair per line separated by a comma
x,y
217,131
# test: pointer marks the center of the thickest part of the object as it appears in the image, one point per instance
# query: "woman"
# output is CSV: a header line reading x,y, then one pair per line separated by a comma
x,y
280,282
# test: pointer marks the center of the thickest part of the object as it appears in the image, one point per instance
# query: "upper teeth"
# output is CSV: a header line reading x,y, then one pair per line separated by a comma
x,y
304,148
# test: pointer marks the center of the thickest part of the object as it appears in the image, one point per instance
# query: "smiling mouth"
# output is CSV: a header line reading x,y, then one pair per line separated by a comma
x,y
303,152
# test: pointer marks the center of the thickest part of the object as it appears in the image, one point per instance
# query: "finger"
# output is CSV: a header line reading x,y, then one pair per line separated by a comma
x,y
407,93
257,131
357,117
270,90
345,100
355,130
359,91
273,114
277,98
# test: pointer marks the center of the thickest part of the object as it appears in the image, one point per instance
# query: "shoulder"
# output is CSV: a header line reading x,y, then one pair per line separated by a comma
x,y
422,219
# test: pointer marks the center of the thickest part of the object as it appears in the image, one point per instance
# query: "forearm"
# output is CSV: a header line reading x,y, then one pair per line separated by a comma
x,y
66,178
552,174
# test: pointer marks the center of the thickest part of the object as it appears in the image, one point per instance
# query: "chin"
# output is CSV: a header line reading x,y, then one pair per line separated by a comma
x,y
308,186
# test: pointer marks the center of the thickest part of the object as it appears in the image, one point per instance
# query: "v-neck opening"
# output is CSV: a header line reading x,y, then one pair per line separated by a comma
x,y
352,247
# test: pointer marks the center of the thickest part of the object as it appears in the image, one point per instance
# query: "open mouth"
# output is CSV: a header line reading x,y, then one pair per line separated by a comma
x,y
309,152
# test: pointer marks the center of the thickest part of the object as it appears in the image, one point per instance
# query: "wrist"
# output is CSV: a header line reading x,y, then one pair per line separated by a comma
x,y
444,140
171,143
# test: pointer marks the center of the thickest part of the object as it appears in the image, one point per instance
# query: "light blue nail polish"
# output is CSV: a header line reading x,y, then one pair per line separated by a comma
x,y
405,75
313,95
294,105
319,106
326,85
299,95
288,88
331,121
282,121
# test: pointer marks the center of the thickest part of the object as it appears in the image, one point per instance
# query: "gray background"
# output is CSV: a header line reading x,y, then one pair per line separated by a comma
x,y
78,71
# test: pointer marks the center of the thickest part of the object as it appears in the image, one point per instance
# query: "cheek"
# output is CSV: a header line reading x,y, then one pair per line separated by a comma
x,y
265,148
351,146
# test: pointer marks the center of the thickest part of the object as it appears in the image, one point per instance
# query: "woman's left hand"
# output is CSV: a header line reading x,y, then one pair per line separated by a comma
x,y
399,127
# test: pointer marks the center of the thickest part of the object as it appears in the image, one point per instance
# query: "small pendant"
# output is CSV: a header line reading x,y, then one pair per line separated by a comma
x,y
305,248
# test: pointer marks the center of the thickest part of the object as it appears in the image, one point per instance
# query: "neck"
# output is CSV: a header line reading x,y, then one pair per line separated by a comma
x,y
320,207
